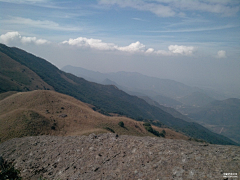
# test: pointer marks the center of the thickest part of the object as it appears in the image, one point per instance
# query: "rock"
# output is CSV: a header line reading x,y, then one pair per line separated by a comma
x,y
63,115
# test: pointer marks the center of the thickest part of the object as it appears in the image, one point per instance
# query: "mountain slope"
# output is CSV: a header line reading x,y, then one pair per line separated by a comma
x,y
108,99
169,110
17,77
222,117
196,99
48,112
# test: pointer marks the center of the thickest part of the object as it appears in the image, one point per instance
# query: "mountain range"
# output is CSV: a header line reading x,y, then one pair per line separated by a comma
x,y
190,104
106,99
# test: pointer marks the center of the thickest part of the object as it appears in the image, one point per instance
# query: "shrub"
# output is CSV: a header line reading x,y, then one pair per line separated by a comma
x,y
146,124
121,124
7,171
164,132
149,128
109,129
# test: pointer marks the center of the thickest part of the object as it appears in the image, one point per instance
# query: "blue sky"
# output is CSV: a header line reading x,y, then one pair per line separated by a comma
x,y
193,41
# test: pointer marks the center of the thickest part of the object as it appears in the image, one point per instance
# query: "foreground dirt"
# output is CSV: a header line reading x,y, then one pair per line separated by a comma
x,y
108,156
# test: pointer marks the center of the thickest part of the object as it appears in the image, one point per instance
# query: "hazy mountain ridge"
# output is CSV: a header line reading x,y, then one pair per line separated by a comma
x,y
222,117
196,99
108,99
152,86
164,91
191,104
169,110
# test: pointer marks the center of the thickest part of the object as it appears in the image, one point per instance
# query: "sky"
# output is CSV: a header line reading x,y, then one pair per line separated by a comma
x,y
196,42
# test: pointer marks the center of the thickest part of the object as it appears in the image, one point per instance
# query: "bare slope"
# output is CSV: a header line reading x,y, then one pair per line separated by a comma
x,y
48,112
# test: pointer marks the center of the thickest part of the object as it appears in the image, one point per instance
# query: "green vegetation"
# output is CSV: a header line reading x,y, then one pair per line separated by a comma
x,y
109,129
107,99
121,124
149,128
7,171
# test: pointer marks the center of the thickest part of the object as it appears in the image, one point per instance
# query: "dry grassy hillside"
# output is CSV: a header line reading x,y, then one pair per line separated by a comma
x,y
48,112
17,77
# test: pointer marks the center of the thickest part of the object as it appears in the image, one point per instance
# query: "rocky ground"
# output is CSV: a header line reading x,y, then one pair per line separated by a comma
x,y
108,156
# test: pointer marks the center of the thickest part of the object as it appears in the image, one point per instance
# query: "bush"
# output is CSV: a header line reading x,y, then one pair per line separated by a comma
x,y
146,124
121,124
7,171
109,129
149,128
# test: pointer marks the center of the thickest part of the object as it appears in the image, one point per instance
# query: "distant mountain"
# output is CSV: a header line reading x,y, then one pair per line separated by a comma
x,y
222,117
86,74
169,110
197,99
166,101
48,112
150,86
107,98
109,82
164,91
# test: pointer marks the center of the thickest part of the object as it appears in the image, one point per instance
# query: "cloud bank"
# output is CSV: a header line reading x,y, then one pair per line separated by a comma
x,y
136,47
15,37
98,44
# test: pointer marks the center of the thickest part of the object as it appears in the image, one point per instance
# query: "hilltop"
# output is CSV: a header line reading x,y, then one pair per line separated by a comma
x,y
43,112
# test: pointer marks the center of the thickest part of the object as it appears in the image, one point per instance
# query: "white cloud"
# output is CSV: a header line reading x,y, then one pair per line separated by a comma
x,y
183,50
100,45
26,40
136,47
163,53
156,8
10,36
221,54
133,47
92,43
44,24
168,8
149,50
15,37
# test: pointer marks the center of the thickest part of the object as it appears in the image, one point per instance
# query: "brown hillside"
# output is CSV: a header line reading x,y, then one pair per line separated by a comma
x,y
48,112
17,77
